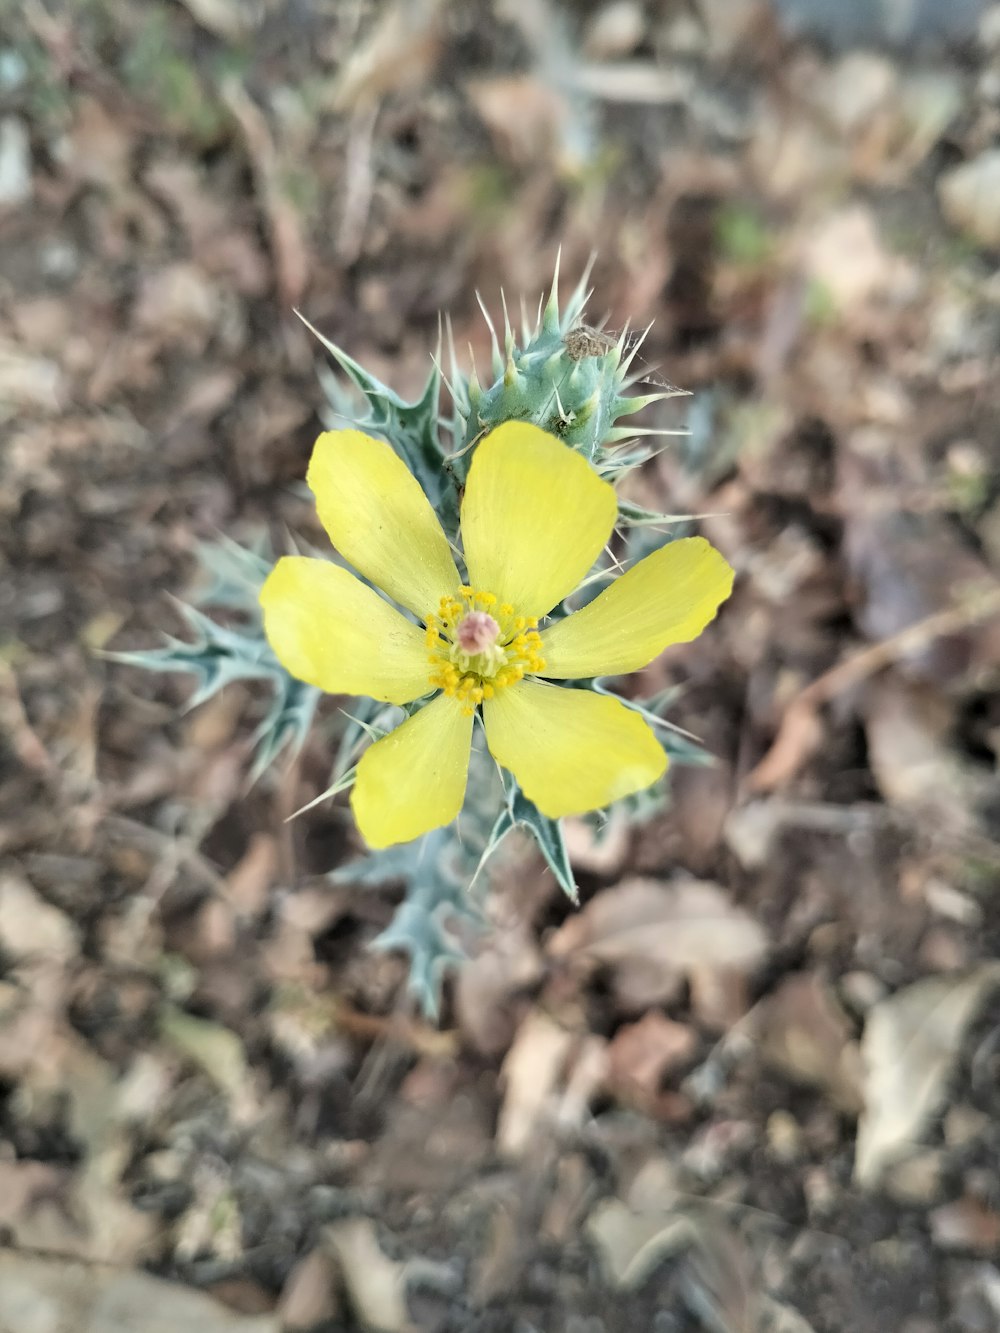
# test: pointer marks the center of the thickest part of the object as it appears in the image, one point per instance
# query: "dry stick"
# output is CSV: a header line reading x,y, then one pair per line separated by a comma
x,y
801,731
288,244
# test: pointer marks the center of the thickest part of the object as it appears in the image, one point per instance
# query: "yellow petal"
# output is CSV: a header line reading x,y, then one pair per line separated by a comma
x,y
413,780
327,628
534,517
669,597
571,750
379,519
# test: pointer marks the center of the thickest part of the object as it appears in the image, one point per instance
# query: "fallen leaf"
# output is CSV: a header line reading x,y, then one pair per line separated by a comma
x,y
233,20
804,1033
632,1245
509,962
15,162
249,882
214,1049
179,304
909,728
598,851
31,926
642,1054
966,1224
375,1283
397,55
309,1296
525,115
531,1073
911,1043
32,383
775,1317
39,1295
846,255
970,198
663,931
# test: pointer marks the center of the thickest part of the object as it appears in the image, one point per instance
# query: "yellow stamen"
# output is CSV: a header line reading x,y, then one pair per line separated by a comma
x,y
469,673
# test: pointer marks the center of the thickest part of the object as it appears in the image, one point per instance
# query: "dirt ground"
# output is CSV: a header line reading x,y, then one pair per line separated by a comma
x,y
753,1083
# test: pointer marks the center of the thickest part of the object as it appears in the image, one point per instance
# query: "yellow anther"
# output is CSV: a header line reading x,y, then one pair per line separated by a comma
x,y
473,677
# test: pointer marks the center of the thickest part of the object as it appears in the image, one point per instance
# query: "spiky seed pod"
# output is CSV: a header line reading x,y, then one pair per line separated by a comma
x,y
571,380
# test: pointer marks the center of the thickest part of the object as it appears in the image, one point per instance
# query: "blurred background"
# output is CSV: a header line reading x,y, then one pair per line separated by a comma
x,y
752,1084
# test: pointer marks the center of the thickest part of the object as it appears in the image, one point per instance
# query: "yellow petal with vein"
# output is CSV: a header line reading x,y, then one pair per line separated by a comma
x,y
413,780
534,517
328,628
571,750
379,519
669,597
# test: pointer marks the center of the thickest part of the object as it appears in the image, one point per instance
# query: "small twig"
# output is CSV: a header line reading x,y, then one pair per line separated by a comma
x,y
358,183
800,732
25,742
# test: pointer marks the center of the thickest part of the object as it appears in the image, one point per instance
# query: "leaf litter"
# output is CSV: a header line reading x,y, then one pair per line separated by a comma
x,y
786,973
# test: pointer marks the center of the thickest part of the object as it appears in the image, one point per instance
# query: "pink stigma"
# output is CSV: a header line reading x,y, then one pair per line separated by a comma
x,y
476,632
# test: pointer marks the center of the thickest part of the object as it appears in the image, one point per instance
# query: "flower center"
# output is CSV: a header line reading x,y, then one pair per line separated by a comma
x,y
478,647
476,632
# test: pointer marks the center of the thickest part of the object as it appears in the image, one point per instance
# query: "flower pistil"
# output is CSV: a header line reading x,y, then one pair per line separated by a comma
x,y
479,647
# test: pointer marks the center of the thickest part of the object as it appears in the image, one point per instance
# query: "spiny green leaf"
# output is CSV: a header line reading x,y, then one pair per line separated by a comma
x,y
547,833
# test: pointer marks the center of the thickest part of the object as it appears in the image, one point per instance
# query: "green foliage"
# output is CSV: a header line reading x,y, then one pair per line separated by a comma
x,y
411,428
442,872
157,69
217,654
742,237
571,381
547,833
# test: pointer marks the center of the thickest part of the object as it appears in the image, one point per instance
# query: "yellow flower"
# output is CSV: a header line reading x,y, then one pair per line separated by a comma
x,y
535,516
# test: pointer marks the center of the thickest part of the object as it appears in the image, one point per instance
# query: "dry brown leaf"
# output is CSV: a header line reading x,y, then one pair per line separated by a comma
x,y
631,1245
642,1054
970,197
287,231
911,1043
600,853
662,931
531,1074
508,962
375,1283
30,926
178,304
233,20
615,30
40,1295
99,146
32,383
210,1046
966,1224
247,885
398,54
803,1032
15,162
525,115
909,729
845,254
309,1296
